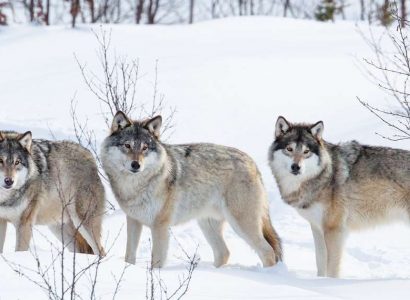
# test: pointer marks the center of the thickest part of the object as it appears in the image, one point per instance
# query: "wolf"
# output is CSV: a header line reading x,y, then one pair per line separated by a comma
x,y
50,183
159,185
338,188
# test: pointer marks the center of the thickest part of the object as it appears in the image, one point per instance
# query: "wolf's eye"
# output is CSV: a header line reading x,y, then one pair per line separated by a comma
x,y
128,146
17,162
289,149
1,161
144,147
306,151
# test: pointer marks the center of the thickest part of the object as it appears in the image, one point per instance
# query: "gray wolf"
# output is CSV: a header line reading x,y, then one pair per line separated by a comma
x,y
159,185
338,188
50,183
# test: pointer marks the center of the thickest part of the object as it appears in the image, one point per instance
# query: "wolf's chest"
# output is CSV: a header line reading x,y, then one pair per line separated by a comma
x,y
12,211
144,209
314,214
141,202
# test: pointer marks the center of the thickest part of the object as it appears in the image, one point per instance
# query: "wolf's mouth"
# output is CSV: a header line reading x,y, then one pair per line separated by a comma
x,y
295,172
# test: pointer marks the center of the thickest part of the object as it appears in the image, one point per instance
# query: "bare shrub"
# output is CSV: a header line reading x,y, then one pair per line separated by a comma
x,y
389,70
115,89
156,287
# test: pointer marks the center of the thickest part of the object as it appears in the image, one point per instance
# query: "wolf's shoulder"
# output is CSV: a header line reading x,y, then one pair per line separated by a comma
x,y
353,151
348,151
59,146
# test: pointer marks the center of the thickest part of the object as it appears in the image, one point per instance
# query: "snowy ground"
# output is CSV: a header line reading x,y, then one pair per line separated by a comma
x,y
229,80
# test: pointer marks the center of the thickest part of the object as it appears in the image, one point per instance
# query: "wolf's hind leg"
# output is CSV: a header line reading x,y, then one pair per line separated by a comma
x,y
320,251
134,229
90,230
160,242
213,232
64,233
249,227
3,230
334,239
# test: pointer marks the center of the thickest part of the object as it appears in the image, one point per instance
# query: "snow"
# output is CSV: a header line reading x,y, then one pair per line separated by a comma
x,y
229,80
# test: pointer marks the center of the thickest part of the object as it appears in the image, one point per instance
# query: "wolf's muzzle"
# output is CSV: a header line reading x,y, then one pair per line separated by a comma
x,y
295,169
8,182
135,166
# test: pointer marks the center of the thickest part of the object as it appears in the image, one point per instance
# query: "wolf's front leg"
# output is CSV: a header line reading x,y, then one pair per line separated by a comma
x,y
320,250
134,229
3,230
160,241
334,239
24,232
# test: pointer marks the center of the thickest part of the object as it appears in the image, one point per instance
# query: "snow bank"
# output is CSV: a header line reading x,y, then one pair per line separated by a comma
x,y
229,80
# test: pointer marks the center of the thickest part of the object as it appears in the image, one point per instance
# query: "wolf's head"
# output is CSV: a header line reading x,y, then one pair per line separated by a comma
x,y
15,157
133,146
298,150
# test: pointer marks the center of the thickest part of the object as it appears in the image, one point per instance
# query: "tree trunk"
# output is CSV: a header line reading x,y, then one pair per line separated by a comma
x,y
118,11
403,13
151,18
75,9
362,10
341,9
91,4
153,7
47,13
3,17
191,11
286,8
139,9
31,10
215,5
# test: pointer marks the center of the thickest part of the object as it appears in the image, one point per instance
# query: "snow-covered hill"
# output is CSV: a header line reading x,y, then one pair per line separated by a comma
x,y
229,80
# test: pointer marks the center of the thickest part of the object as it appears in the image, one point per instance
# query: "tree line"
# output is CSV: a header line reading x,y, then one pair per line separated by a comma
x,y
49,12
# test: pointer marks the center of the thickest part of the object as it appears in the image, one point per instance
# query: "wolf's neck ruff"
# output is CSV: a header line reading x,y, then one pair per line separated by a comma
x,y
13,198
310,190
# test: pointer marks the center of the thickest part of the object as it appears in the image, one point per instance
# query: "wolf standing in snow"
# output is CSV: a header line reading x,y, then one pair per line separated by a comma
x,y
159,185
50,183
338,188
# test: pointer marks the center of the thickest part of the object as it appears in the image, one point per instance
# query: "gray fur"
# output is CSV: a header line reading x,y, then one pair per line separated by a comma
x,y
177,183
48,177
348,186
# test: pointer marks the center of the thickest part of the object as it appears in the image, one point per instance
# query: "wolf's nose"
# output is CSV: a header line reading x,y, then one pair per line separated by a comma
x,y
295,168
135,165
8,181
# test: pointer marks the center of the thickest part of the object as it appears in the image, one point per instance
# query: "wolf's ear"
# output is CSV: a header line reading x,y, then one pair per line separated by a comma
x,y
317,130
120,121
282,126
25,140
154,126
1,137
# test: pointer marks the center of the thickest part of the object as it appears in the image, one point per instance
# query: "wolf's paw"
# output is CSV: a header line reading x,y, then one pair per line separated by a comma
x,y
130,259
221,259
157,264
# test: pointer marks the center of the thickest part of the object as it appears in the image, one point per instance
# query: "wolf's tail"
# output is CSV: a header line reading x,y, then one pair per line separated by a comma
x,y
272,237
82,245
